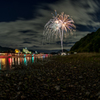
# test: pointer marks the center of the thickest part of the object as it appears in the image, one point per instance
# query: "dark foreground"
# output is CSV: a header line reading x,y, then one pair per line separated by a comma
x,y
73,77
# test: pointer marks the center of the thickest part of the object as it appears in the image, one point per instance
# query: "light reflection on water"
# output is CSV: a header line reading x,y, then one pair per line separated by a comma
x,y
9,62
25,61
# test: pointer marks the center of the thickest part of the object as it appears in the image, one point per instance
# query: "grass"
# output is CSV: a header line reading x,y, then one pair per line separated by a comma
x,y
71,77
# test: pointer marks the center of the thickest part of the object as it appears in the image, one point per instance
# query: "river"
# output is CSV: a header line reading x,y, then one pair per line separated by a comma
x,y
7,63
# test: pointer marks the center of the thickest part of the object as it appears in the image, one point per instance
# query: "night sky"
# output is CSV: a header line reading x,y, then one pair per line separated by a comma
x,y
22,22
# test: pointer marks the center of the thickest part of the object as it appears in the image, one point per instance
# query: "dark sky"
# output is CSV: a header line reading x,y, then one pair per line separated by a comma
x,y
22,22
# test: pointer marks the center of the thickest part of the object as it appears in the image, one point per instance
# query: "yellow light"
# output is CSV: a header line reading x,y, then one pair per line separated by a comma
x,y
17,51
3,62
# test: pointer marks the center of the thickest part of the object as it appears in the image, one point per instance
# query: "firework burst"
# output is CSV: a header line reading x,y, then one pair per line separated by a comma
x,y
59,26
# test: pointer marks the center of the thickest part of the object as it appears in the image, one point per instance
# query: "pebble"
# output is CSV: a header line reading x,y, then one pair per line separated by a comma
x,y
18,92
98,97
23,97
87,93
19,83
57,87
7,75
98,94
80,76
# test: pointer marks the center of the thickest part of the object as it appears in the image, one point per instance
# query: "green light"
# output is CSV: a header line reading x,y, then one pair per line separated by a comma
x,y
32,59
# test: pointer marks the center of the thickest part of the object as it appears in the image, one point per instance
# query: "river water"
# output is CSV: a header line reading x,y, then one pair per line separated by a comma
x,y
9,62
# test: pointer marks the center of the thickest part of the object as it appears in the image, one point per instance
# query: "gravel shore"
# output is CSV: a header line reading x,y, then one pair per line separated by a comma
x,y
71,77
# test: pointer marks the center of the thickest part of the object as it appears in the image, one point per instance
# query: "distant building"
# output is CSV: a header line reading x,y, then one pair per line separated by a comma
x,y
63,53
36,52
25,50
17,51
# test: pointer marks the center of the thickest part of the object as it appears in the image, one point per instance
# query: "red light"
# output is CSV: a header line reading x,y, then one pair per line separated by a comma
x,y
10,61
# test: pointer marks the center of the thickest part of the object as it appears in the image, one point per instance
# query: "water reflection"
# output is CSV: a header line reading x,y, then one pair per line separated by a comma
x,y
3,63
25,61
7,63
32,59
10,62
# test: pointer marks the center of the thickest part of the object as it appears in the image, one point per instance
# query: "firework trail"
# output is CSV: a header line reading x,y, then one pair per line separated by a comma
x,y
59,26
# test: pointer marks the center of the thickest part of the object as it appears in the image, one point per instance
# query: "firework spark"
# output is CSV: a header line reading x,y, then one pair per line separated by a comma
x,y
59,26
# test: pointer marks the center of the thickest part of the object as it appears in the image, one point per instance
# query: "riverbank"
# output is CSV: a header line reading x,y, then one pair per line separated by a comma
x,y
71,77
5,55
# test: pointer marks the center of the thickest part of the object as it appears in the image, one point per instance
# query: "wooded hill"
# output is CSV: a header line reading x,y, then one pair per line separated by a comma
x,y
89,43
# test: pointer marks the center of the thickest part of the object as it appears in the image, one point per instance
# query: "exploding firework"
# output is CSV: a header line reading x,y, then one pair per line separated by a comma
x,y
59,26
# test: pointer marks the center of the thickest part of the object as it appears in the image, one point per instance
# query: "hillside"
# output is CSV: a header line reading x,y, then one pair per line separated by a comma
x,y
6,49
89,43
